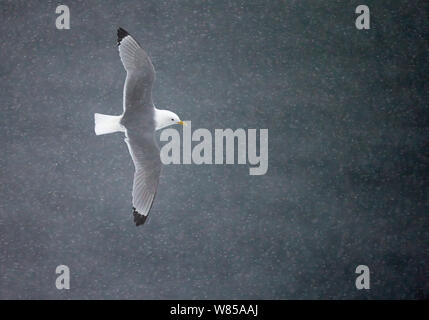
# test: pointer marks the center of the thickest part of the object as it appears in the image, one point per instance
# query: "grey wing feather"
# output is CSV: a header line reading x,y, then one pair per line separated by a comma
x,y
140,72
145,155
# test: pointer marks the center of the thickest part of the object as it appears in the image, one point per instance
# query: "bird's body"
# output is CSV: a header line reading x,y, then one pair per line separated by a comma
x,y
138,121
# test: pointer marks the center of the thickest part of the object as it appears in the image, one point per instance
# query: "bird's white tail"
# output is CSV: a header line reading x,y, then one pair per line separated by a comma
x,y
107,124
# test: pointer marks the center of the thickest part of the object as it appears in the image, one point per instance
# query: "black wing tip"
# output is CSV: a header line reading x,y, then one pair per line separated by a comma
x,y
122,33
139,219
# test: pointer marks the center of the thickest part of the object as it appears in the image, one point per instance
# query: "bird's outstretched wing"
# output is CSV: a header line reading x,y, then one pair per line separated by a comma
x,y
145,155
140,73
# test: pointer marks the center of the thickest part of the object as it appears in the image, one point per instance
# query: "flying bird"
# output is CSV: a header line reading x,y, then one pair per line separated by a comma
x,y
139,121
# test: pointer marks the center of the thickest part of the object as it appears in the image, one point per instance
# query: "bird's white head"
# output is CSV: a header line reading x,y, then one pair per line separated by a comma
x,y
165,118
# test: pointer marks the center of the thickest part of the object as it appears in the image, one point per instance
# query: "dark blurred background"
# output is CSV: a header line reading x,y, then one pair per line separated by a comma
x,y
347,184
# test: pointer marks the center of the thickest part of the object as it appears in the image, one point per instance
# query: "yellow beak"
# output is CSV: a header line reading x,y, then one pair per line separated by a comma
x,y
182,123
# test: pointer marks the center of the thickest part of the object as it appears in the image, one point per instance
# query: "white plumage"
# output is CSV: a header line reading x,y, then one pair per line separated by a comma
x,y
138,121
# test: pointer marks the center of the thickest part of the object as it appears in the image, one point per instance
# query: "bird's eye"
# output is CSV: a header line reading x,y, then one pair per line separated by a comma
x,y
172,119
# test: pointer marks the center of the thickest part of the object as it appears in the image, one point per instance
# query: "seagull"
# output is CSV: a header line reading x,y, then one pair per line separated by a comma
x,y
139,121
